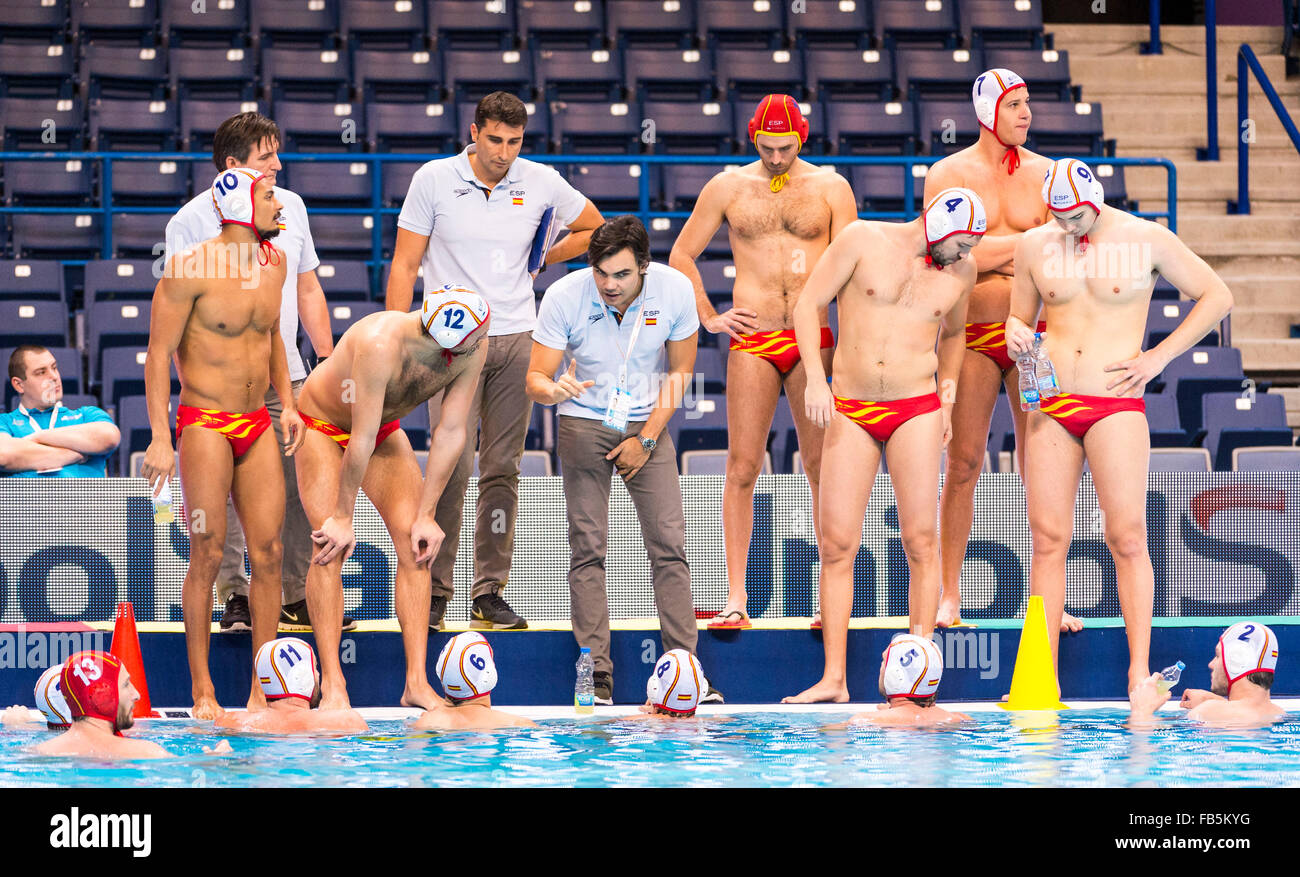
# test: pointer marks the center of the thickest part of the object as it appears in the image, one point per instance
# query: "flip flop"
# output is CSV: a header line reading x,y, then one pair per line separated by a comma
x,y
721,622
816,623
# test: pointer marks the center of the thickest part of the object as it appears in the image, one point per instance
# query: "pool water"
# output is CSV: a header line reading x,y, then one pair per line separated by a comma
x,y
1082,747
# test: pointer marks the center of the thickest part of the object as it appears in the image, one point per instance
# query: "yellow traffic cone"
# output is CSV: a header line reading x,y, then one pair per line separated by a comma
x,y
1033,683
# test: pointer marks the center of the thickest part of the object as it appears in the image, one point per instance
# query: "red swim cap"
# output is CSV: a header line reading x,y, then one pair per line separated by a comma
x,y
90,685
778,114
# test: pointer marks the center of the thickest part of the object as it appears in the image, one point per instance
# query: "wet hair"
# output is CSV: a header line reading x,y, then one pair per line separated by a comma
x,y
1262,679
922,702
239,135
503,107
621,232
660,711
18,359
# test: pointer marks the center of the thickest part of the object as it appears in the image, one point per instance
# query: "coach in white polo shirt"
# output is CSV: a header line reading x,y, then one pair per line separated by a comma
x,y
471,219
616,323
252,140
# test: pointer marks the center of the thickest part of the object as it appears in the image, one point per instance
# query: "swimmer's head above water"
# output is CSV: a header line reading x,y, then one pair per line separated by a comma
x,y
676,685
288,672
1245,654
954,223
910,669
50,700
466,668
97,686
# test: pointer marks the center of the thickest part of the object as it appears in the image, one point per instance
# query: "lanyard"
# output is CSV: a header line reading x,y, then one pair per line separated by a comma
x,y
631,344
54,416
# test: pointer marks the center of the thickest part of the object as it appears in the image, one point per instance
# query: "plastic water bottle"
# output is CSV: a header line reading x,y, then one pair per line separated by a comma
x,y
162,505
1170,675
584,692
1029,398
1044,371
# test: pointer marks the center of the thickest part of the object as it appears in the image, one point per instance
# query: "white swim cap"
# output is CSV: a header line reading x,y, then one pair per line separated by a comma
x,y
465,666
913,666
953,211
987,94
677,683
1247,647
49,698
1069,183
232,195
450,314
286,667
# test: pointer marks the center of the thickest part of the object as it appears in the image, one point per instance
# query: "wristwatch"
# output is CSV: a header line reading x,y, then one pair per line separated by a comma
x,y
648,443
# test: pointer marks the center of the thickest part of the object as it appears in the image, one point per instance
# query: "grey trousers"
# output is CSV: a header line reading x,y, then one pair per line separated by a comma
x,y
296,535
657,496
503,407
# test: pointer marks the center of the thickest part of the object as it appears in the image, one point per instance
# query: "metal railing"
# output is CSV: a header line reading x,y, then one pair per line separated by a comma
x,y
1211,150
906,164
1246,60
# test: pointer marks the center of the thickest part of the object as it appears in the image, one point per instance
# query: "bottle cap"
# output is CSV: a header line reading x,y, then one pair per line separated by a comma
x,y
1180,665
586,650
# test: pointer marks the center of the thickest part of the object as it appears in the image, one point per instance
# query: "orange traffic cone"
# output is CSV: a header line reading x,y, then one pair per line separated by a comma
x,y
126,648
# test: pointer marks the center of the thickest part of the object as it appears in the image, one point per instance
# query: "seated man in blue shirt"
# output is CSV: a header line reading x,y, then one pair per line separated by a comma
x,y
41,438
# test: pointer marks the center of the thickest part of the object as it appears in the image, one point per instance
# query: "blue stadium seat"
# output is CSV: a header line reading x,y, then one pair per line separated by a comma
x,y
783,440
119,280
133,422
1047,79
213,73
397,180
949,126
62,236
344,315
849,74
1061,129
67,182
341,237
690,128
27,123
638,23
292,21
682,184
383,286
305,73
599,128
668,73
133,124
883,187
31,281
35,322
860,128
114,324
122,374
1002,428
118,19
1233,420
1270,459
908,21
383,23
561,23
403,127
150,182
45,21
831,25
700,426
343,184
40,70
131,72
1162,419
138,235
537,133
1111,177
577,74
201,118
1164,316
458,24
613,188
711,367
221,22
344,281
717,275
320,126
416,426
1198,371
663,234
938,74
397,75
741,21
1179,460
1163,288
471,74
69,362
1002,23
749,74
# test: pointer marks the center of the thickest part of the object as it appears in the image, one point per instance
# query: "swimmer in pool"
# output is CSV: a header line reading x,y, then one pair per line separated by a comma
x,y
290,680
674,688
910,670
53,709
468,674
1241,674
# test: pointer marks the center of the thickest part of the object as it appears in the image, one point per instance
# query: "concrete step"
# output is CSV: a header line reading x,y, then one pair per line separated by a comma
x,y
1207,180
1267,293
1165,74
1217,246
1215,206
1251,228
1268,145
1269,355
1249,322
1119,121
1175,39
1291,395
1278,268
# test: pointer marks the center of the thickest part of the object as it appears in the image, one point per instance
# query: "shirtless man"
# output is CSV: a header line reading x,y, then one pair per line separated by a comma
x,y
100,698
290,680
217,310
1241,674
902,287
51,708
1092,272
382,368
1008,178
468,674
782,213
910,670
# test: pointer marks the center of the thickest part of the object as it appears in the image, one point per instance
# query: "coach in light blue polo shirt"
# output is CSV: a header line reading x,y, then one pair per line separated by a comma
x,y
614,348
43,439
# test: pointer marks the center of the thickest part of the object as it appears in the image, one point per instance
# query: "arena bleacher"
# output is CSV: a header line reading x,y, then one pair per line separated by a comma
x,y
602,78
